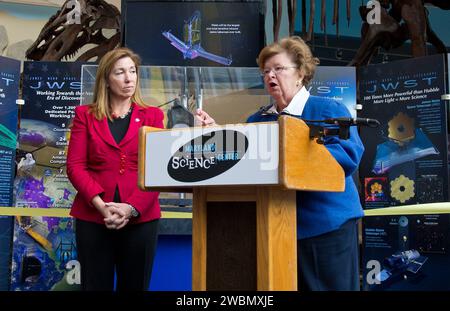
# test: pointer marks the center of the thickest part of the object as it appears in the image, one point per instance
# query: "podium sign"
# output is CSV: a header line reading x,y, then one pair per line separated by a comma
x,y
267,153
205,156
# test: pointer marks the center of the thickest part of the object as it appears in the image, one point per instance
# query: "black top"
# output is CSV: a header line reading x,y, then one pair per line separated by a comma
x,y
119,128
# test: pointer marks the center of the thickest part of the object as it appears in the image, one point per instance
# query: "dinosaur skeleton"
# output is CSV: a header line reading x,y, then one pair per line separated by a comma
x,y
76,24
292,8
401,20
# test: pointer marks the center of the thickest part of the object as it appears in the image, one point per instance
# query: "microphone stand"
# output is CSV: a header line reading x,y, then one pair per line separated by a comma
x,y
320,132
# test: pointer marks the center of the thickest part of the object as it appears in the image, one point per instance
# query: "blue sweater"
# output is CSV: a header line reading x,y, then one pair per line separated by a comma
x,y
322,212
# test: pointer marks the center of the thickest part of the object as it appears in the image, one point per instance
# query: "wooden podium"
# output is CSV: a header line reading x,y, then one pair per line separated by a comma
x,y
243,219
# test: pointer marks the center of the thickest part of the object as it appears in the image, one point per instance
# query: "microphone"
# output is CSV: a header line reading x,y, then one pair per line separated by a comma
x,y
353,121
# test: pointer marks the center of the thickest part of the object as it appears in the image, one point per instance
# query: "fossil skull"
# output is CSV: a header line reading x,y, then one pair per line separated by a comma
x,y
77,24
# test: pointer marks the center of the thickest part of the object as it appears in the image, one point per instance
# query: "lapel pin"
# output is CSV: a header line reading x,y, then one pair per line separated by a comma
x,y
137,119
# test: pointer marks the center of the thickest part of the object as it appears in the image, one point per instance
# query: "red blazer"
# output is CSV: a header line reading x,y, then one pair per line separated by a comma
x,y
96,164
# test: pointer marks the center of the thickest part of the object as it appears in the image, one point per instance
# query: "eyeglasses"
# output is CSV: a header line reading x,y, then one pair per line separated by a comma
x,y
276,70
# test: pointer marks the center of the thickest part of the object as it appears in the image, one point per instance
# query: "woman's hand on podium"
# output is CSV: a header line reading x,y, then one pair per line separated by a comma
x,y
203,119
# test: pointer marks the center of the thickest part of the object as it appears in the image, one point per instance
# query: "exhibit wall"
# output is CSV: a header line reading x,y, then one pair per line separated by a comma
x,y
406,160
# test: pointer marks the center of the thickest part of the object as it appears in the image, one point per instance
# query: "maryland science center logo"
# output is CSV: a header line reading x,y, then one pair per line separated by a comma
x,y
207,156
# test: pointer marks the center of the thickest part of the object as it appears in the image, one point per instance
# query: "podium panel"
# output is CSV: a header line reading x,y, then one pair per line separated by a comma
x,y
231,241
212,156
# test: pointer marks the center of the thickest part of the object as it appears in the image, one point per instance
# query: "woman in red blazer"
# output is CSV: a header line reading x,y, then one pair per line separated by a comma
x,y
116,223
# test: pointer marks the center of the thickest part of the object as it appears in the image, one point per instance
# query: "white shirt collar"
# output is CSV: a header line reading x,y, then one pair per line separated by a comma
x,y
297,104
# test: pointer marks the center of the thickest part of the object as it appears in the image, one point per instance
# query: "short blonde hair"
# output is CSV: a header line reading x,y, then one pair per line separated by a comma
x,y
100,106
299,52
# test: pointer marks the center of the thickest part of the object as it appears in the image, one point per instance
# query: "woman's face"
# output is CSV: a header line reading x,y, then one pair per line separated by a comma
x,y
123,78
281,77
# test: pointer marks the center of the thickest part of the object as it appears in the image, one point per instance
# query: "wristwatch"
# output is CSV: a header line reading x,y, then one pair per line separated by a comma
x,y
134,212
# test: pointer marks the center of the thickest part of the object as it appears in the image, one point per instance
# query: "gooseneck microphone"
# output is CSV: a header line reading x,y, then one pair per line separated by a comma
x,y
353,121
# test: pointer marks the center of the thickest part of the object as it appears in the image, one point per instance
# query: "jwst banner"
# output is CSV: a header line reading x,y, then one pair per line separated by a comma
x,y
51,91
9,92
337,83
405,162
44,250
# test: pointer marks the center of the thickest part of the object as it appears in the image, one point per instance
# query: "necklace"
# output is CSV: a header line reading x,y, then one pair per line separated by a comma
x,y
115,116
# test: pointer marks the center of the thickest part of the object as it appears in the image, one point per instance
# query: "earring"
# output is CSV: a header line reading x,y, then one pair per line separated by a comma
x,y
297,83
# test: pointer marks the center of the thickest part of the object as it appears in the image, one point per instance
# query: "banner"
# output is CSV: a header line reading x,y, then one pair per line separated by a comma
x,y
405,162
51,91
44,252
194,33
337,83
9,92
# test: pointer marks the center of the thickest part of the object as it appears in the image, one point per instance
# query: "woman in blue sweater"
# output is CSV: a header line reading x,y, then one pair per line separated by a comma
x,y
327,234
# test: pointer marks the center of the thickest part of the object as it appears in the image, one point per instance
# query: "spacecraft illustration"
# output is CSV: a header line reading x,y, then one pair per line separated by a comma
x,y
191,46
405,143
401,264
